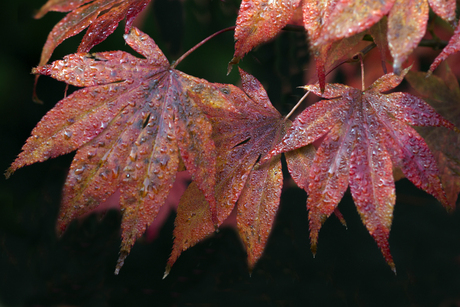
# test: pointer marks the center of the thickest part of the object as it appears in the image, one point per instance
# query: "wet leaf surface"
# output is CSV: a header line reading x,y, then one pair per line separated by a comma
x,y
131,125
366,133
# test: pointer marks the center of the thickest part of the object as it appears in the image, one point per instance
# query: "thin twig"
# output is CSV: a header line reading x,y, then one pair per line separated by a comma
x,y
174,65
297,105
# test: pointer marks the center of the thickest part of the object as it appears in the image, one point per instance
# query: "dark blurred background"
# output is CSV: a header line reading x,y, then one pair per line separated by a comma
x,y
38,269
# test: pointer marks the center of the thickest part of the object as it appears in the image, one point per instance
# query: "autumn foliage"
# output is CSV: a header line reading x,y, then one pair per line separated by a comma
x,y
137,121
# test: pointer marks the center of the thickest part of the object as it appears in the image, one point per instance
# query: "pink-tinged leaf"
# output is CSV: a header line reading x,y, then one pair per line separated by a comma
x,y
72,24
332,90
242,131
193,223
258,22
257,207
103,26
73,122
371,181
299,162
388,82
452,47
106,24
406,27
409,151
315,14
148,175
342,50
59,6
350,17
138,123
95,170
312,123
411,110
84,15
135,9
329,174
444,9
366,136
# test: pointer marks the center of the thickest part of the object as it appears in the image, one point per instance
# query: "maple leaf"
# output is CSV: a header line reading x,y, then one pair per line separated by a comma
x,y
258,22
243,131
452,47
325,21
443,94
329,21
366,132
132,125
379,35
101,17
407,23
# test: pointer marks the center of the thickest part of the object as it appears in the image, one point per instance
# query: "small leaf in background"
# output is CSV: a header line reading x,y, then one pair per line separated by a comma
x,y
452,47
444,95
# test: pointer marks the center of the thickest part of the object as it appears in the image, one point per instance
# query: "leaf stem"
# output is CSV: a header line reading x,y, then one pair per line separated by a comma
x,y
297,105
175,63
360,56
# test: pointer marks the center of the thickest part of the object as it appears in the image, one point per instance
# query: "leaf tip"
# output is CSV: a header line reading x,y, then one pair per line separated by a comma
x,y
167,270
340,217
393,267
61,227
313,249
9,172
120,262
234,61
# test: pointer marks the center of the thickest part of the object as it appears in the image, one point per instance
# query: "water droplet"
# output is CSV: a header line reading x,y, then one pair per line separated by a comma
x,y
115,172
79,170
67,134
133,156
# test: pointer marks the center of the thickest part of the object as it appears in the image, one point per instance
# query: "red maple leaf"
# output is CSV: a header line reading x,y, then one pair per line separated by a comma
x,y
243,131
132,124
101,17
258,22
366,132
